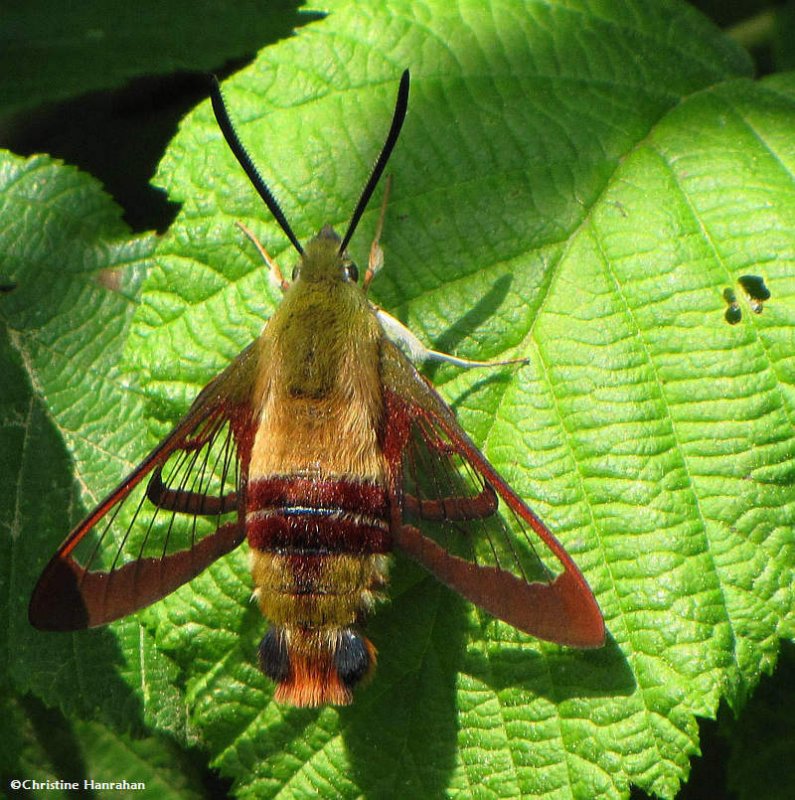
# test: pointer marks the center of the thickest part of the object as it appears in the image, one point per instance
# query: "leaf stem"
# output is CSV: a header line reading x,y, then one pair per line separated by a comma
x,y
755,31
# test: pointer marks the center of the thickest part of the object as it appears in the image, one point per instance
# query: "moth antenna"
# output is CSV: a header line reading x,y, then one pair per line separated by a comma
x,y
401,104
244,159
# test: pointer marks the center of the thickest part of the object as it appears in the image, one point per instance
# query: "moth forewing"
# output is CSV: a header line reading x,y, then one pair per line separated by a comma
x,y
164,523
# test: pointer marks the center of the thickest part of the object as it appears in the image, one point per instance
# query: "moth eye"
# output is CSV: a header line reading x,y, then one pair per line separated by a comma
x,y
350,272
296,273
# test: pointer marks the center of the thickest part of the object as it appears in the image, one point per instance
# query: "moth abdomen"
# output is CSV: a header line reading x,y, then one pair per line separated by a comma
x,y
318,558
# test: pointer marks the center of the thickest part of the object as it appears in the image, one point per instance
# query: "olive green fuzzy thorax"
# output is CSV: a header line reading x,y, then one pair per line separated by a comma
x,y
323,319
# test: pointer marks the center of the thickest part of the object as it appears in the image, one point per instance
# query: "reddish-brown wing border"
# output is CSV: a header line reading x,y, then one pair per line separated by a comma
x,y
69,597
562,610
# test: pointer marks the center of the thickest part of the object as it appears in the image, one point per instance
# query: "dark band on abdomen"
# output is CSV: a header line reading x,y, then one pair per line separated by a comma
x,y
294,515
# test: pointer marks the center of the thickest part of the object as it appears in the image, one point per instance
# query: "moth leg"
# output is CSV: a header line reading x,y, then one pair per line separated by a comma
x,y
376,260
417,351
275,273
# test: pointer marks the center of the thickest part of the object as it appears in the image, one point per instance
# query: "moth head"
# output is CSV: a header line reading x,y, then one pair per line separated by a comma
x,y
322,260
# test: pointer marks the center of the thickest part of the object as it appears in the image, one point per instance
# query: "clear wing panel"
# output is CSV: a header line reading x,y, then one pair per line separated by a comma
x,y
169,519
453,504
187,497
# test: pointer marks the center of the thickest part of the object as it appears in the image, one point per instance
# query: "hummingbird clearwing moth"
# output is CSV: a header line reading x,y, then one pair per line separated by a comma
x,y
324,447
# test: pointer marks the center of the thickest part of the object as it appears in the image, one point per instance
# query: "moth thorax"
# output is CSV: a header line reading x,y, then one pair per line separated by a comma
x,y
315,667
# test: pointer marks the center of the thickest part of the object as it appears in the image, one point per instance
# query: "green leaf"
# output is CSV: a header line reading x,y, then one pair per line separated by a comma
x,y
52,51
587,212
70,428
578,183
